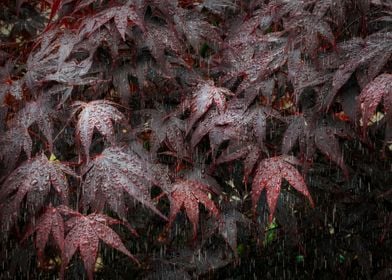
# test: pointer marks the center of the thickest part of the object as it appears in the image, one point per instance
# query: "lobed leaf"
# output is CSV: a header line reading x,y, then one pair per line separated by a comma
x,y
98,115
115,172
32,180
269,175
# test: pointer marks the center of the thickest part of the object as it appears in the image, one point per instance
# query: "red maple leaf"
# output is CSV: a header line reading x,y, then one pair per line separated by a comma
x,y
203,98
96,114
35,112
374,55
84,233
49,223
188,194
112,174
120,15
269,175
194,28
32,180
312,133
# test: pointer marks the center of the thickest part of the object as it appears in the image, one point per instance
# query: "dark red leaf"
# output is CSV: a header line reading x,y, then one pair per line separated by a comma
x,y
311,133
188,194
32,180
205,95
98,115
120,15
269,175
84,234
49,223
376,45
115,172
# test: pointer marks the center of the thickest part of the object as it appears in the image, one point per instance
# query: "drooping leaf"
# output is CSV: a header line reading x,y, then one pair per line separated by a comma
x,y
17,137
195,29
112,174
303,75
166,129
311,133
376,45
12,143
8,85
242,126
98,115
120,15
204,97
32,180
219,6
269,175
256,63
308,29
49,223
37,112
188,194
160,40
84,233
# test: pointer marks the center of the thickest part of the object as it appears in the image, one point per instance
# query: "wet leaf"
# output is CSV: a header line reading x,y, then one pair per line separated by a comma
x,y
84,233
187,194
99,115
32,180
269,175
114,173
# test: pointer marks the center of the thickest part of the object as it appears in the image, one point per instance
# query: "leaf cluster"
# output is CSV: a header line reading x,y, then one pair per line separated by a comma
x,y
106,106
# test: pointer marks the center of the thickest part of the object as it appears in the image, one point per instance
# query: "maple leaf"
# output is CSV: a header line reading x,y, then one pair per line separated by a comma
x,y
269,175
312,133
13,87
96,114
49,223
239,125
188,194
380,88
193,26
160,39
115,172
166,129
32,180
120,15
42,60
120,80
249,151
205,95
377,46
234,112
321,7
17,138
12,142
63,57
84,233
303,74
199,174
244,128
309,27
255,61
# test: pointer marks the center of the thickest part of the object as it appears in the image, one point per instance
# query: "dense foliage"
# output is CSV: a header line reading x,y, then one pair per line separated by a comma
x,y
196,139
